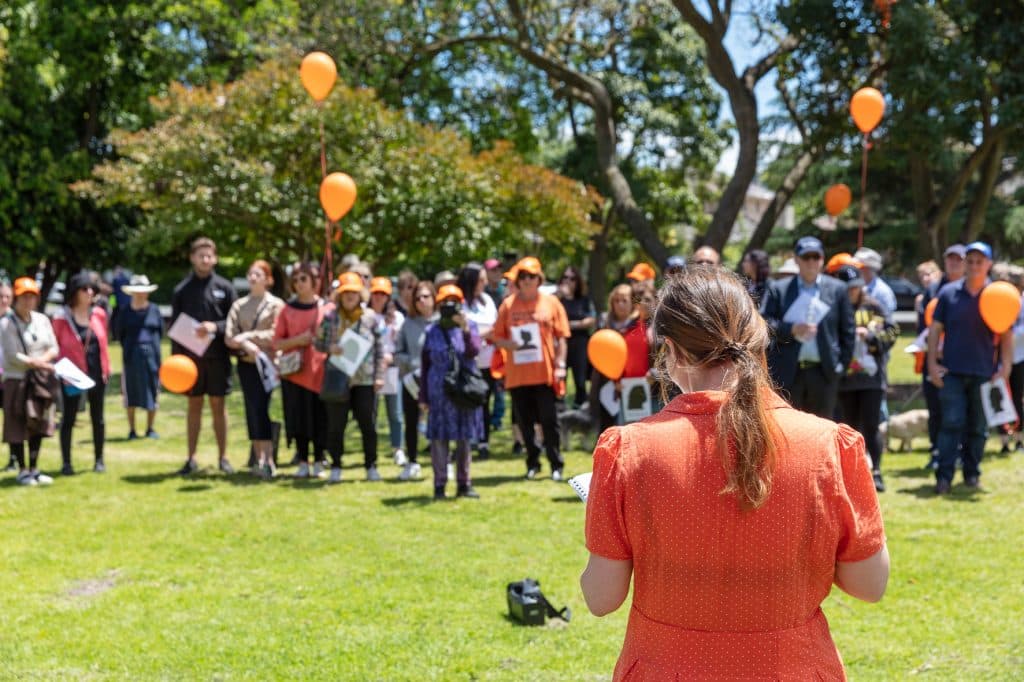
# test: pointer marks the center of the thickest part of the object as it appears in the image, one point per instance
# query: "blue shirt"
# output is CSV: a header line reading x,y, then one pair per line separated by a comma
x,y
970,346
883,293
809,351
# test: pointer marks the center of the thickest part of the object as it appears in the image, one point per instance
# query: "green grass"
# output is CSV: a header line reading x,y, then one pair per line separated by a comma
x,y
140,574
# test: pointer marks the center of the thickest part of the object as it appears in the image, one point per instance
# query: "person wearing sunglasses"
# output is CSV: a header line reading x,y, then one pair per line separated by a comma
x,y
533,327
814,332
408,351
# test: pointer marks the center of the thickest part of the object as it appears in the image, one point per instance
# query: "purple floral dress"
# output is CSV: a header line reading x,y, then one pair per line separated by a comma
x,y
445,421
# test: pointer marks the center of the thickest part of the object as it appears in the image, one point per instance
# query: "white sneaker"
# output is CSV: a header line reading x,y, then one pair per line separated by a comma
x,y
41,478
372,474
303,470
410,471
451,471
335,475
318,470
400,458
556,475
26,478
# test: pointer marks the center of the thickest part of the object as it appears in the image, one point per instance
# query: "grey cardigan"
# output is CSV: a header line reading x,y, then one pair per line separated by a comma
x,y
410,343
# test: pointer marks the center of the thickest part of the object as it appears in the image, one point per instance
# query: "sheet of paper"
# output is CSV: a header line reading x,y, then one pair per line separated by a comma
x,y
353,351
918,345
527,338
268,372
636,399
183,331
609,401
997,403
411,381
67,372
581,484
391,381
484,357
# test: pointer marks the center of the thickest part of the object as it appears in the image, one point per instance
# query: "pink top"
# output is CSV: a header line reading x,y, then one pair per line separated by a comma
x,y
72,346
292,321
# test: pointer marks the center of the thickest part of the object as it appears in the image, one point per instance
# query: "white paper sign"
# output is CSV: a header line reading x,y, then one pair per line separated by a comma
x,y
67,372
390,381
527,338
636,399
918,345
353,351
581,484
183,331
997,403
484,357
268,372
609,401
411,381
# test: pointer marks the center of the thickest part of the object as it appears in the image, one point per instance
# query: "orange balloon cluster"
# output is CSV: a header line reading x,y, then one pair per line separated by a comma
x,y
178,374
867,108
337,195
1000,305
837,199
318,73
607,353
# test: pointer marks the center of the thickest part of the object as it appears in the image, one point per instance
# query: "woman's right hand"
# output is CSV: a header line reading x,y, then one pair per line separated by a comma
x,y
303,339
40,364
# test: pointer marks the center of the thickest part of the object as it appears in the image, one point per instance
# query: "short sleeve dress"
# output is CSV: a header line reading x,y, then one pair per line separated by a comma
x,y
718,592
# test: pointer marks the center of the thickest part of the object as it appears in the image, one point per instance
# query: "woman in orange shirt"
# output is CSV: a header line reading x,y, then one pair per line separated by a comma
x,y
733,512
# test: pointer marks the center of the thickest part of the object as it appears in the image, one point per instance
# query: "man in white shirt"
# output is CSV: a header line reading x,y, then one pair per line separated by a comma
x,y
871,268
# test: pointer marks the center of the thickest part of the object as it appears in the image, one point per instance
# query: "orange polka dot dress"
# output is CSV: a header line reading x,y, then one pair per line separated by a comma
x,y
719,593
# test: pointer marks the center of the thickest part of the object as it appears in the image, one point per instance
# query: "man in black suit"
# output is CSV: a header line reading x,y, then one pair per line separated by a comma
x,y
812,318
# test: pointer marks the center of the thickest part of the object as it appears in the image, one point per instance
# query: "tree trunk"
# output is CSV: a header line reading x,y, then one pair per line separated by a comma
x,y
975,222
597,266
744,108
923,191
783,195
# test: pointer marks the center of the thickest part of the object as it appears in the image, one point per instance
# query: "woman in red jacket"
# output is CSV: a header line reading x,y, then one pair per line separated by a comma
x,y
81,331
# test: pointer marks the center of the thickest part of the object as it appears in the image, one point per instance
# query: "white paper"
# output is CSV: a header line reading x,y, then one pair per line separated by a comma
x,y
609,401
391,381
67,372
183,331
353,351
918,345
484,357
268,372
527,338
581,484
636,399
997,403
806,309
411,381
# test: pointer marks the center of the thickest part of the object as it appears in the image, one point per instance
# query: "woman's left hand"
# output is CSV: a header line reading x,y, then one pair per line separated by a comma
x,y
460,320
378,385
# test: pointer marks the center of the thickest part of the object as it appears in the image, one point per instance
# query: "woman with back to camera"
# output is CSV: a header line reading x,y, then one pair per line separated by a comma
x,y
733,512
757,268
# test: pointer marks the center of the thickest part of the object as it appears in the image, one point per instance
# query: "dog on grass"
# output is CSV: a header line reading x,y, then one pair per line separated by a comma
x,y
580,421
905,427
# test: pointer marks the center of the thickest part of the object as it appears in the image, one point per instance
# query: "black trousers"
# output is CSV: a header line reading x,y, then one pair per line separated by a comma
x,y
492,386
931,399
70,413
536,405
360,404
813,392
257,402
577,362
862,410
411,413
18,452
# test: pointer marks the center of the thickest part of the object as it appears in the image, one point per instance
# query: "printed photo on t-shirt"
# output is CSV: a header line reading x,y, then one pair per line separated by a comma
x,y
528,349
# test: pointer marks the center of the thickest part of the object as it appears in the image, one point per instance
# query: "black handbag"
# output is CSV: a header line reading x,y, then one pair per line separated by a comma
x,y
528,605
463,383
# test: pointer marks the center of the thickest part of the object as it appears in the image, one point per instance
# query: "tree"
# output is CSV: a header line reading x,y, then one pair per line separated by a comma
x,y
240,163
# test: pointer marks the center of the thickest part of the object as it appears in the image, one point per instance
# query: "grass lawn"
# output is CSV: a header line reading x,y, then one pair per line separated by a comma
x,y
140,574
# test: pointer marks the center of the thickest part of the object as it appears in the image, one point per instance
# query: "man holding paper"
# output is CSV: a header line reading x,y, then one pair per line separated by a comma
x,y
202,300
814,333
969,356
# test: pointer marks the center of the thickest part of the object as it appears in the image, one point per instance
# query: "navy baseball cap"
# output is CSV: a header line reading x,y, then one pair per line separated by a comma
x,y
981,247
806,245
675,262
850,275
956,250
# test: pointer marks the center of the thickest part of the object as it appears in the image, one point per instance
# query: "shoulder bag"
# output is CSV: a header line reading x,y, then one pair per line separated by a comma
x,y
463,383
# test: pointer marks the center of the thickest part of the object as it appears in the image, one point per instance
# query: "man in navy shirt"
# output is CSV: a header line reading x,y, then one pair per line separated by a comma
x,y
969,357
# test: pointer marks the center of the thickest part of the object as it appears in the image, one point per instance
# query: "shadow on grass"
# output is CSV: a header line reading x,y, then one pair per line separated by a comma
x,y
914,472
201,480
408,500
492,481
569,499
960,493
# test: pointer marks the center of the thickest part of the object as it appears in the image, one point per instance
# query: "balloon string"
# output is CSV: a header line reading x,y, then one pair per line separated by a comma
x,y
863,191
327,265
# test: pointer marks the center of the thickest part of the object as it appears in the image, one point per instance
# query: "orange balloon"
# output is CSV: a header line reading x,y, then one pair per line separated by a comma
x,y
337,195
1000,305
318,73
607,353
867,108
929,312
837,198
178,374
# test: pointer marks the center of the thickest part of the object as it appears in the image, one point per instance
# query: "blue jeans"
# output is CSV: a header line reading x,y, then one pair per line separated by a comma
x,y
393,406
963,420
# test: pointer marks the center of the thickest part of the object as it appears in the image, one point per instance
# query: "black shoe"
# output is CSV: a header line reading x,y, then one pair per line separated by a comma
x,y
439,492
99,467
942,488
972,482
466,491
483,452
517,448
132,435
190,468
152,435
1005,450
879,483
67,469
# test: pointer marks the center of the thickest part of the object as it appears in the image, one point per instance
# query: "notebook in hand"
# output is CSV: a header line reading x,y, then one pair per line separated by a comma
x,y
581,484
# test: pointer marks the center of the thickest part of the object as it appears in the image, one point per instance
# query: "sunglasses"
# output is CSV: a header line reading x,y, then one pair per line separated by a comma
x,y
810,256
527,275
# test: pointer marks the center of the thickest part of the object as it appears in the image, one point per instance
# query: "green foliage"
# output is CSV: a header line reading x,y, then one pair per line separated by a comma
x,y
240,163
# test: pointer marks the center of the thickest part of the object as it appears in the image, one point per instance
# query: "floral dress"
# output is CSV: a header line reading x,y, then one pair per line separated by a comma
x,y
445,421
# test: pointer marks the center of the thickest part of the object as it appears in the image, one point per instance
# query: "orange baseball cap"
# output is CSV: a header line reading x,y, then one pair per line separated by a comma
x,y
350,281
530,265
642,272
25,285
839,260
448,291
380,285
511,273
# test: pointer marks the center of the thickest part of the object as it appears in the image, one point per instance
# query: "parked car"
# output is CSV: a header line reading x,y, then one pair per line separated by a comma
x,y
905,290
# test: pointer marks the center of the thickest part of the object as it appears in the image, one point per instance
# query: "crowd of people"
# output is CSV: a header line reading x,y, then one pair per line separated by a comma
x,y
375,338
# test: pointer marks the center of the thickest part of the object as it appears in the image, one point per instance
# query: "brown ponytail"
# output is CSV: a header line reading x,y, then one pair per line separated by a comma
x,y
711,319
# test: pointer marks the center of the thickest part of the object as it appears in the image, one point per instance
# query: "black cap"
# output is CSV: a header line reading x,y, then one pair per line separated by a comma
x,y
850,275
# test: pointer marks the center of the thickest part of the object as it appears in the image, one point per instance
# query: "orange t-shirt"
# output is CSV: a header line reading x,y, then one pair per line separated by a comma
x,y
533,362
719,592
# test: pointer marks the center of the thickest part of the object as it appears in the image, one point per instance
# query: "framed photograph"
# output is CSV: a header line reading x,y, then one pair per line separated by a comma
x,y
636,399
997,403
